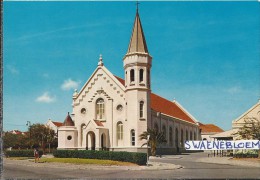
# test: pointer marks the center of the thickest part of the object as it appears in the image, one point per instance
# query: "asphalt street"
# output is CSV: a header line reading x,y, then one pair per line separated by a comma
x,y
191,168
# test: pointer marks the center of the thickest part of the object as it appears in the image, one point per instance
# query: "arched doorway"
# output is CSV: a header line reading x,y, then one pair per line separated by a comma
x,y
103,141
91,141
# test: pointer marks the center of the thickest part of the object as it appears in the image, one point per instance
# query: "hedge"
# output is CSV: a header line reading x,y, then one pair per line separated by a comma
x,y
246,154
137,158
21,153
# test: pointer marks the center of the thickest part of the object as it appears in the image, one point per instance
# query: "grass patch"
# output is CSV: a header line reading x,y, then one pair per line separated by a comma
x,y
87,161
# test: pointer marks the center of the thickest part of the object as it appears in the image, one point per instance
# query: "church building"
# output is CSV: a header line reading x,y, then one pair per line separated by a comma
x,y
109,113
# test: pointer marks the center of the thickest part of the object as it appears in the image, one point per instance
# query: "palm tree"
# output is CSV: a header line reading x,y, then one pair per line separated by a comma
x,y
155,138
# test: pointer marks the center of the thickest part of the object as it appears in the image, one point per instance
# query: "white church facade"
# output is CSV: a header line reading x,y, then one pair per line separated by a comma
x,y
109,113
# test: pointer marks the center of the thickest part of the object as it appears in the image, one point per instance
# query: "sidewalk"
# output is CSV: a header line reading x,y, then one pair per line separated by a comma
x,y
151,165
230,161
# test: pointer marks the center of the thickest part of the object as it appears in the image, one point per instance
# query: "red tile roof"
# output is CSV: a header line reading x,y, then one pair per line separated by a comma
x,y
165,106
58,124
120,80
210,128
16,132
98,123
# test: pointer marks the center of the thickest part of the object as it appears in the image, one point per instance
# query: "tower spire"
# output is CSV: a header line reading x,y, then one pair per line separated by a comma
x,y
137,42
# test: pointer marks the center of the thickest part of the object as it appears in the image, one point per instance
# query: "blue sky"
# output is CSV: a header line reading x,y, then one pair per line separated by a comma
x,y
205,55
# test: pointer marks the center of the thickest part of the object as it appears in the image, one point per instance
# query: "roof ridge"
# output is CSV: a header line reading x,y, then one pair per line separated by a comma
x,y
56,121
246,112
164,98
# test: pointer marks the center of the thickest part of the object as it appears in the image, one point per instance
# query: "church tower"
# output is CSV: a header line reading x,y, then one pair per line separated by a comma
x,y
137,65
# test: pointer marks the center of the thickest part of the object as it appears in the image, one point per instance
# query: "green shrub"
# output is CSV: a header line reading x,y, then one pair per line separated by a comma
x,y
103,155
140,158
137,158
21,153
246,154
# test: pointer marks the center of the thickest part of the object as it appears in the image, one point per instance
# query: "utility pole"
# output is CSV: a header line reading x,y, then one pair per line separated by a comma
x,y
29,127
148,137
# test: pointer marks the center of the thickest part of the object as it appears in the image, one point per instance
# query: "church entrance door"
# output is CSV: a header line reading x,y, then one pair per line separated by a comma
x,y
103,141
91,141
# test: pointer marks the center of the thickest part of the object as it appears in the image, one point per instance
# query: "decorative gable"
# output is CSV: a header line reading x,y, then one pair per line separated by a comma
x,y
101,82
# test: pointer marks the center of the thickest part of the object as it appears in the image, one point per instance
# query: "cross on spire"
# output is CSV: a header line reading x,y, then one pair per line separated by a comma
x,y
137,3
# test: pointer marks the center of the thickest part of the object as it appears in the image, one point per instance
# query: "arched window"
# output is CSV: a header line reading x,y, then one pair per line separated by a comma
x,y
82,128
164,130
170,135
141,109
176,137
125,78
132,75
120,131
182,138
141,75
156,126
133,137
100,109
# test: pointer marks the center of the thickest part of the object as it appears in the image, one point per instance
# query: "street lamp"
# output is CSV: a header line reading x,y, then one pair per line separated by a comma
x,y
29,125
148,137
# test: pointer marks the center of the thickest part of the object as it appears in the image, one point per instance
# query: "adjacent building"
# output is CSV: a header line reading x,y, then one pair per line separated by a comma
x,y
17,132
252,114
208,130
54,125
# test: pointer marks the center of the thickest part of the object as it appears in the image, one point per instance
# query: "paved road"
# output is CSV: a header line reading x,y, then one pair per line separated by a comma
x,y
194,167
191,169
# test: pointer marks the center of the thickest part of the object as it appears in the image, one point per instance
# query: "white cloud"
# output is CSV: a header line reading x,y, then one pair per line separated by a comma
x,y
70,84
45,98
12,69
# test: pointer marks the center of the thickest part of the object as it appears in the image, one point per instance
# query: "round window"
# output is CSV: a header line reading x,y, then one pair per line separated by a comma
x,y
83,111
69,137
119,107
